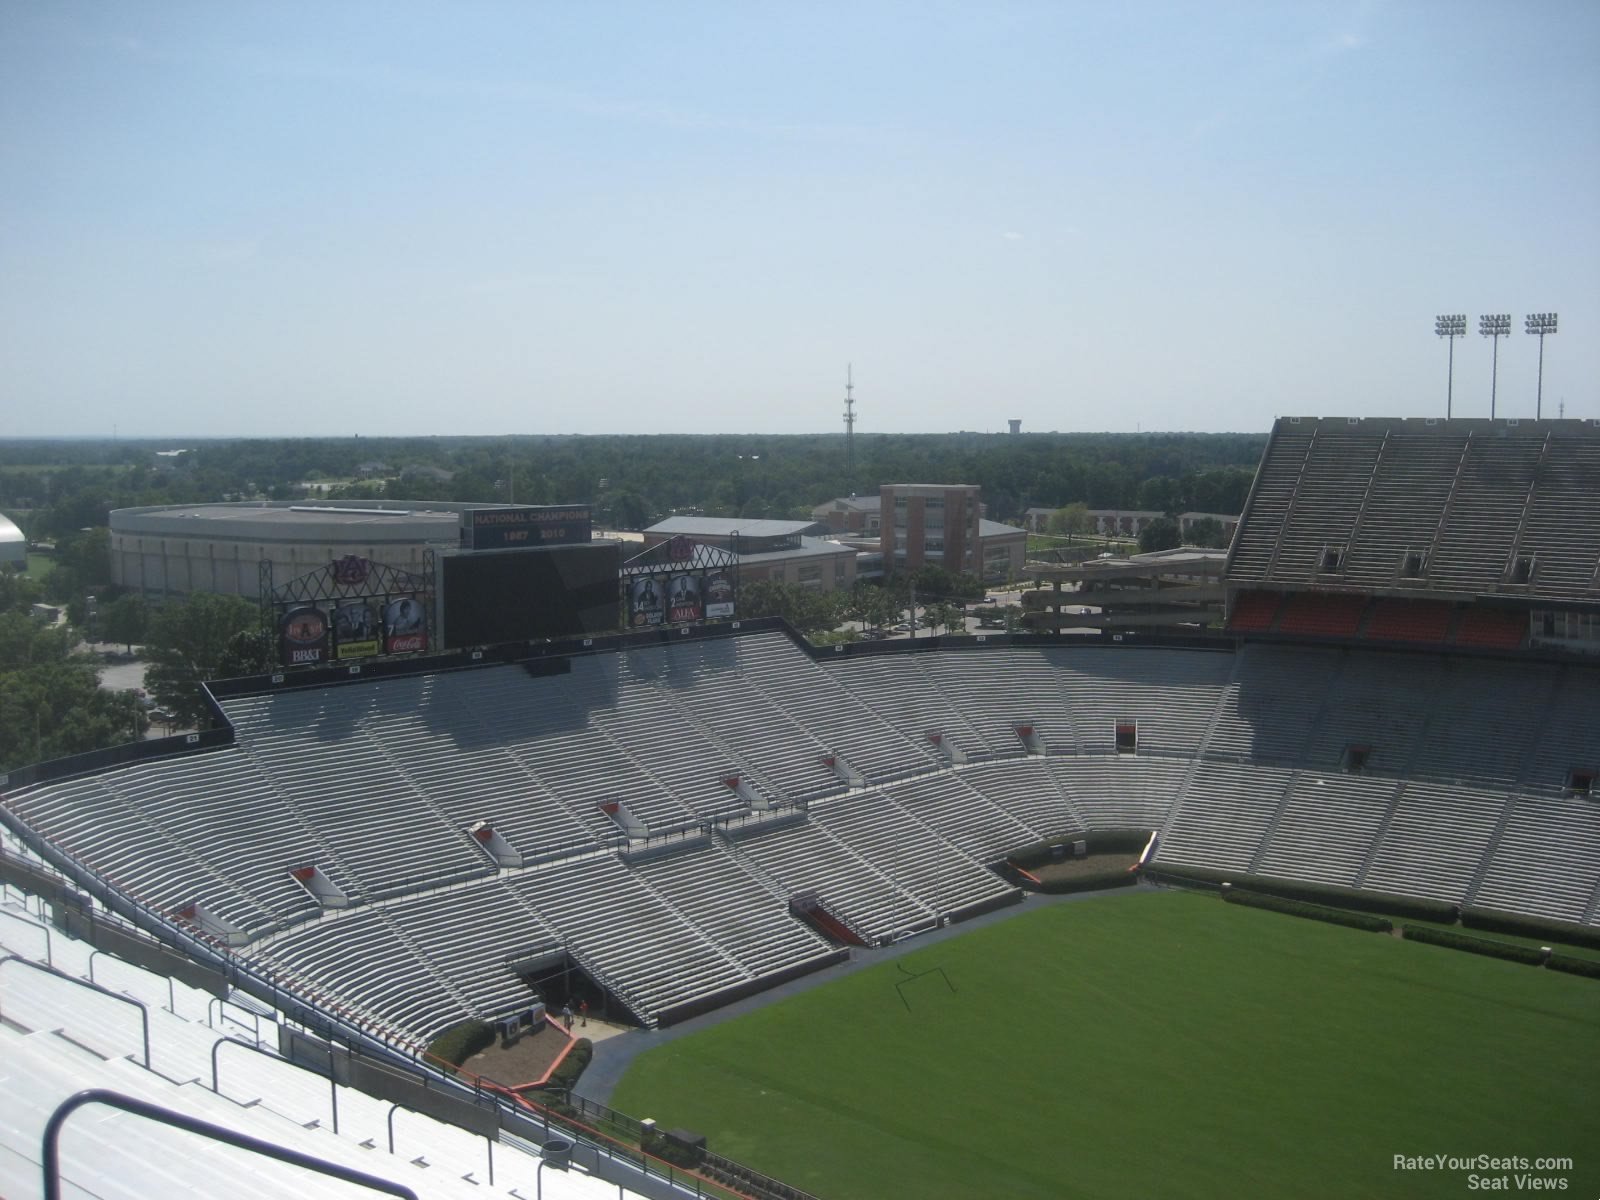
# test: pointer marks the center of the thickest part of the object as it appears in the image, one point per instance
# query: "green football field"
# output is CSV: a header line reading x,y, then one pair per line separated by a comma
x,y
1161,1044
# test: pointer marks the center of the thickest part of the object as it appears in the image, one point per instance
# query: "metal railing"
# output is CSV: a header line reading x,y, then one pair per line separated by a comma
x,y
51,1149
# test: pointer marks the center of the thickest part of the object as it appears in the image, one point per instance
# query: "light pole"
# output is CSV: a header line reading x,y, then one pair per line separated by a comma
x,y
1541,324
1496,326
1452,327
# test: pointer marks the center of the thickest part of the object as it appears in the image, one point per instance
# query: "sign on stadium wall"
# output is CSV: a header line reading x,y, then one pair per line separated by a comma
x,y
350,610
679,582
525,526
303,637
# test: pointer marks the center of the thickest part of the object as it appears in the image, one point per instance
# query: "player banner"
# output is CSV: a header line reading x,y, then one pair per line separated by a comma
x,y
405,626
646,602
303,637
355,630
685,602
719,595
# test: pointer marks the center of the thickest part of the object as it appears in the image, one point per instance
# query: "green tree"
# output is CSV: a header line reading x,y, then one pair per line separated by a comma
x,y
18,592
807,609
1207,531
125,620
51,704
248,652
187,644
1071,521
946,617
1160,534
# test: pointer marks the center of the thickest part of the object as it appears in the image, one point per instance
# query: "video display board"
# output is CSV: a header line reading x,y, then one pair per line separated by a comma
x,y
563,591
522,527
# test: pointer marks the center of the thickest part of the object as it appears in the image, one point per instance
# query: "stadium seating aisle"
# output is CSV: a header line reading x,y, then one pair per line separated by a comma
x,y
1270,499
1028,692
339,780
804,858
1269,709
1379,702
705,685
1486,508
1326,505
1435,842
1326,828
900,691
1122,791
1547,861
817,698
714,889
952,804
1224,815
1485,719
434,734
909,853
1411,485
638,946
625,700
1170,695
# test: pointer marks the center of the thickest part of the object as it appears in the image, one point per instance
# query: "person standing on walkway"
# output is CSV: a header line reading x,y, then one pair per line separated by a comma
x,y
566,1015
583,1012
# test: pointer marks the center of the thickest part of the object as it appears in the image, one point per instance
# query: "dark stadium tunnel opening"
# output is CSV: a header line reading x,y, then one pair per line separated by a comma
x,y
563,985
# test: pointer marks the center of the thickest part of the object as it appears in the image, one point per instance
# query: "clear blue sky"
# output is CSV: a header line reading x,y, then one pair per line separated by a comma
x,y
227,217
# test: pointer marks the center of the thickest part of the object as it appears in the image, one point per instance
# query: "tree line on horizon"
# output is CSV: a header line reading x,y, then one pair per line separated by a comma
x,y
54,489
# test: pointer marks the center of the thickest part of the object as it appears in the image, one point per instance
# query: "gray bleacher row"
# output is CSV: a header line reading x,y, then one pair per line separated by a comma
x,y
1465,499
1238,761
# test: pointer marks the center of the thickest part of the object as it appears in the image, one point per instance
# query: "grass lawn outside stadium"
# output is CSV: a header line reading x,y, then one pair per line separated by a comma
x,y
1162,1044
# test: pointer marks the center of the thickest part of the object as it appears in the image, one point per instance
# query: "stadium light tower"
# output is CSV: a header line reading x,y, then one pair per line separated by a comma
x,y
1452,327
1541,324
1496,326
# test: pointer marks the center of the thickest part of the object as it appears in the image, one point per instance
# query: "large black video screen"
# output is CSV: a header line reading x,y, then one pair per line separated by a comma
x,y
519,595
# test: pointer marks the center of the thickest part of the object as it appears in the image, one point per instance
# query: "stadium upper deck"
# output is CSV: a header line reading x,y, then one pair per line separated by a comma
x,y
1469,531
1459,509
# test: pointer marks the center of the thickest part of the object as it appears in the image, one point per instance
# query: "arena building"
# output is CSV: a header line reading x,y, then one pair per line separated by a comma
x,y
13,546
172,550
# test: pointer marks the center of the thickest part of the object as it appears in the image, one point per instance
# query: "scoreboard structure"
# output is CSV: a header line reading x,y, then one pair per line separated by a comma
x,y
487,598
521,574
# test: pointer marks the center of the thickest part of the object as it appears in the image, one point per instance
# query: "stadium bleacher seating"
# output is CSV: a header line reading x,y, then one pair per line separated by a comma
x,y
1254,611
63,1037
1419,773
1422,621
1314,614
1491,628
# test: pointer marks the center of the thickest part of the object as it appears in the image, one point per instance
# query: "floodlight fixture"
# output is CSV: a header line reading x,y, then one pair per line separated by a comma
x,y
1450,326
1540,324
1496,326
